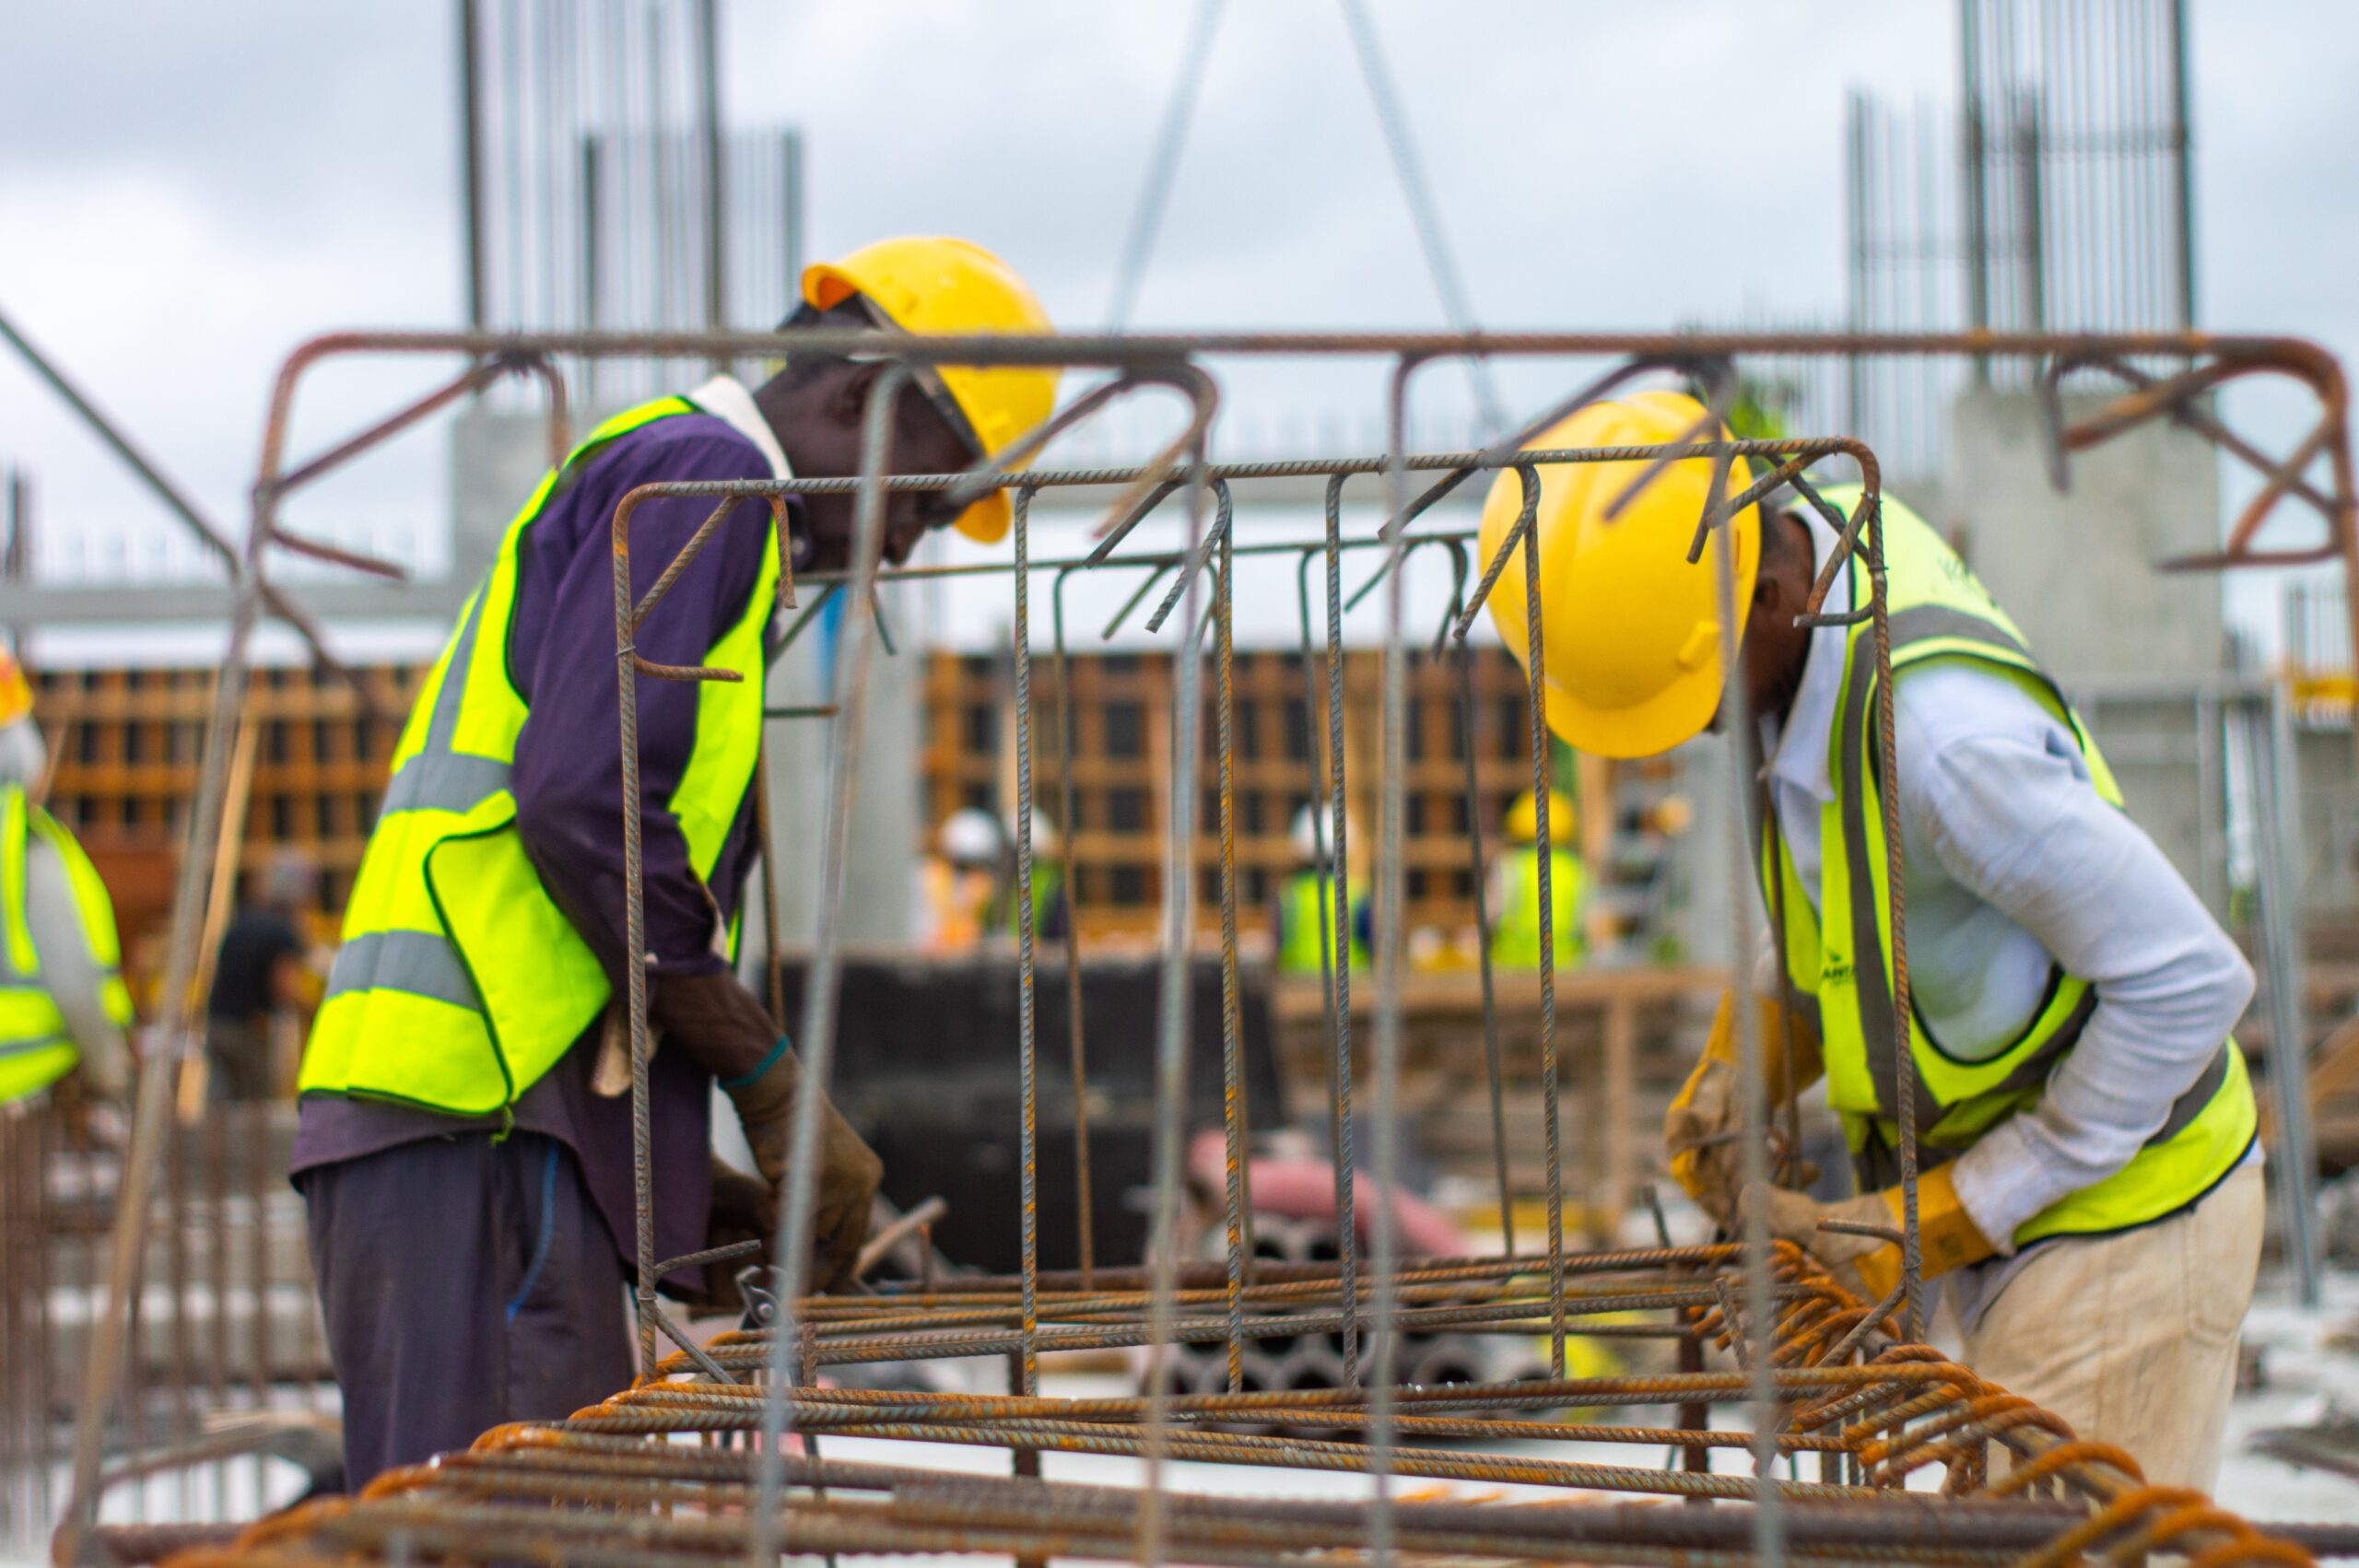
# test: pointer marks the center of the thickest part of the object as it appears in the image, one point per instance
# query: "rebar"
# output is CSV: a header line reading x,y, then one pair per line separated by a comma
x,y
1819,1371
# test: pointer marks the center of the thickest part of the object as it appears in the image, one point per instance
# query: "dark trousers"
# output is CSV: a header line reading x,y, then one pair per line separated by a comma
x,y
465,1283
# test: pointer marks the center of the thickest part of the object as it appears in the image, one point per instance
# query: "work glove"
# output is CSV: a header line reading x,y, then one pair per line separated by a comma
x,y
1869,1267
849,1170
1699,1132
743,1210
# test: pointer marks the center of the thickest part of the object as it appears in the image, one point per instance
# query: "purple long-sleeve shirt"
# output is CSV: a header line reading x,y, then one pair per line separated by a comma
x,y
567,784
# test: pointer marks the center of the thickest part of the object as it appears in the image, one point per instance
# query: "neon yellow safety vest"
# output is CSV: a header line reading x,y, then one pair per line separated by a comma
x,y
460,982
1840,953
1047,881
1515,937
35,1049
1302,916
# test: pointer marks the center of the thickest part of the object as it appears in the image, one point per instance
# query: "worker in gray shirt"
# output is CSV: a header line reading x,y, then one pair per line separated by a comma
x,y
2091,1180
64,1008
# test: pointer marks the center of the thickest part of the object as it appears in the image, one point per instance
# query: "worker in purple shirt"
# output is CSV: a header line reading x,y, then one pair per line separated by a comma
x,y
464,1143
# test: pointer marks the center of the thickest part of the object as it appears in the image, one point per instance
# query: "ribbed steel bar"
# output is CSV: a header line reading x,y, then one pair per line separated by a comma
x,y
1797,1320
1028,1043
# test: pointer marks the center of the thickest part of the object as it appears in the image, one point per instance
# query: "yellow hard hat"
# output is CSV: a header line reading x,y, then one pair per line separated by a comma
x,y
953,287
15,694
1523,818
1630,631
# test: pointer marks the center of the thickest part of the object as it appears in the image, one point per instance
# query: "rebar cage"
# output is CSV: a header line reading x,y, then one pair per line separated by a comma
x,y
1816,1371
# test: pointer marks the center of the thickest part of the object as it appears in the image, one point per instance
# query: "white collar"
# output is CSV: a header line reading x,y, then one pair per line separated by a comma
x,y
726,398
1798,757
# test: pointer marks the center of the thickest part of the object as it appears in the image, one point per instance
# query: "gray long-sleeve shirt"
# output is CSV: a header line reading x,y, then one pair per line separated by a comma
x,y
2011,861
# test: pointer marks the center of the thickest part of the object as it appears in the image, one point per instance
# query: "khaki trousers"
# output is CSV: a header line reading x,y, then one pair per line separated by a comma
x,y
2132,1338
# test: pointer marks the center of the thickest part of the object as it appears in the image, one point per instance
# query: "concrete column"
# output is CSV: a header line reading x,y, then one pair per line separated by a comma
x,y
2076,571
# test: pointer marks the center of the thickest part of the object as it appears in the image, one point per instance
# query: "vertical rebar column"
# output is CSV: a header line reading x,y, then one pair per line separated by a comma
x,y
1975,162
1391,896
1027,1042
716,190
2182,146
1340,915
1171,1028
1237,1196
471,163
2269,751
1478,874
1757,1336
1552,1118
1315,738
1071,824
635,957
855,651
1904,1026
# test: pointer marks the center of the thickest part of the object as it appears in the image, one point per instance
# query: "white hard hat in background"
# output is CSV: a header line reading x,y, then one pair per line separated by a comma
x,y
1044,834
972,837
1312,828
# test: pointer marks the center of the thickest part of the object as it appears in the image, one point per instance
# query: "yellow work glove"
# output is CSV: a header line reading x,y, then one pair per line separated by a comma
x,y
1700,1130
1870,1266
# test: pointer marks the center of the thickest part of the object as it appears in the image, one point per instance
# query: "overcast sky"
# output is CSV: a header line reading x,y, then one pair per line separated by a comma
x,y
188,191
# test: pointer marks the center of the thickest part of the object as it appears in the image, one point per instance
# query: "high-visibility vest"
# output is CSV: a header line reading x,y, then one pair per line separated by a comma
x,y
1303,915
1047,881
35,1049
1840,953
460,981
1515,936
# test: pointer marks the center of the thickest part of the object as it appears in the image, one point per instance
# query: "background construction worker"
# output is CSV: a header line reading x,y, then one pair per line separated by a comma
x,y
1306,920
1515,887
461,1147
62,1004
2092,1186
972,883
963,879
1050,915
263,984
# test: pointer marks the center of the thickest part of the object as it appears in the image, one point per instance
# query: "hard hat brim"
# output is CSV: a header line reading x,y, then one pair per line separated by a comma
x,y
988,520
825,286
1673,716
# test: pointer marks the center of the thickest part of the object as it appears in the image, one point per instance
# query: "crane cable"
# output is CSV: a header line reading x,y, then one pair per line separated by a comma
x,y
1393,118
1155,194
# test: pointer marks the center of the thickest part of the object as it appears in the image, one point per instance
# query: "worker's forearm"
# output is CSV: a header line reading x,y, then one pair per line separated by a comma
x,y
715,1021
2081,877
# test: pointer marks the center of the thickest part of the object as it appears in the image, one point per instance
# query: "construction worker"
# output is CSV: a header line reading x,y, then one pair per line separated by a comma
x,y
1515,887
63,1007
2091,1187
1049,914
263,982
963,880
465,1144
1305,912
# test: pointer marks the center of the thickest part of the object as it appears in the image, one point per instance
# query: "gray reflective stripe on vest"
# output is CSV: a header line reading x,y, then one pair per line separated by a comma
x,y
1879,1028
451,782
421,962
436,778
39,1043
2188,1107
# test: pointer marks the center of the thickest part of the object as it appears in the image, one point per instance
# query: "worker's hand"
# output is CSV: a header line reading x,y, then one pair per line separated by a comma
x,y
1700,1131
743,1210
849,1170
1869,1266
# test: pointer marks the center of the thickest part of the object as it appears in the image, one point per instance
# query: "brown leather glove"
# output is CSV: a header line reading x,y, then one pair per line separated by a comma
x,y
849,1170
743,1210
